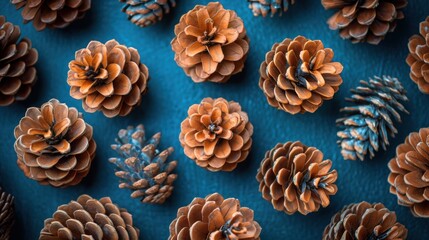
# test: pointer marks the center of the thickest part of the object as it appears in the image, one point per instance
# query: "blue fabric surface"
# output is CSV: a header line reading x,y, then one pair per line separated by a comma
x,y
171,93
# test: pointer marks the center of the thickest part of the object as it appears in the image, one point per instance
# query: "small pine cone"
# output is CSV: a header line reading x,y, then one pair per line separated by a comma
x,y
54,145
364,221
365,20
368,125
409,173
265,7
211,43
216,134
108,77
214,218
89,218
7,214
297,75
17,71
144,13
294,177
142,167
52,14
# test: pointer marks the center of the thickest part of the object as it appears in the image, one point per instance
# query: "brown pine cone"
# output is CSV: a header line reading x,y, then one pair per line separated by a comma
x,y
54,145
211,43
17,71
214,218
7,214
216,134
297,75
365,20
88,219
108,77
294,177
409,173
365,221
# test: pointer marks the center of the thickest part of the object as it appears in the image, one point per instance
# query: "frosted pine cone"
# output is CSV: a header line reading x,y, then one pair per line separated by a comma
x,y
144,13
265,7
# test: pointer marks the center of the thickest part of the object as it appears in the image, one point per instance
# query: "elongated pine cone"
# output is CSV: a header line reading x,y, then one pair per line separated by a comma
x,y
52,13
142,167
88,218
17,71
214,218
409,173
211,43
7,214
54,145
367,126
144,13
294,177
297,75
217,134
108,77
365,20
265,7
364,221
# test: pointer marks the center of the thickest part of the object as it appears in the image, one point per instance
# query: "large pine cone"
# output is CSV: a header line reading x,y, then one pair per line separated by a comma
x,y
365,221
90,219
294,177
409,173
365,20
17,71
108,77
297,75
54,144
211,43
52,13
214,218
7,214
144,13
265,7
216,134
142,167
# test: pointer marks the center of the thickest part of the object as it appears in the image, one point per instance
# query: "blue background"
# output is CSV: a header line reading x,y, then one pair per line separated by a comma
x,y
171,93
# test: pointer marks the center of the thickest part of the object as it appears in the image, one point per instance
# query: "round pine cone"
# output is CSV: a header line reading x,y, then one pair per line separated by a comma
x,y
144,13
294,177
54,145
216,134
365,20
364,221
7,214
418,59
264,7
409,173
297,75
52,14
211,43
89,218
214,218
108,77
17,71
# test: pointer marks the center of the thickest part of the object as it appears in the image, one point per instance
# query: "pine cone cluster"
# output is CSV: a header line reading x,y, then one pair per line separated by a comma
x,y
108,77
7,214
409,173
294,177
297,75
142,167
144,13
265,7
418,59
88,218
365,221
17,71
54,145
216,134
367,126
214,218
211,43
365,20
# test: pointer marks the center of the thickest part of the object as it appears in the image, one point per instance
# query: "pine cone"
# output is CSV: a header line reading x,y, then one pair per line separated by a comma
x,y
52,14
142,167
17,71
365,20
214,218
7,214
367,125
364,221
216,134
294,177
264,7
144,13
211,43
297,75
409,173
108,77
89,218
54,144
